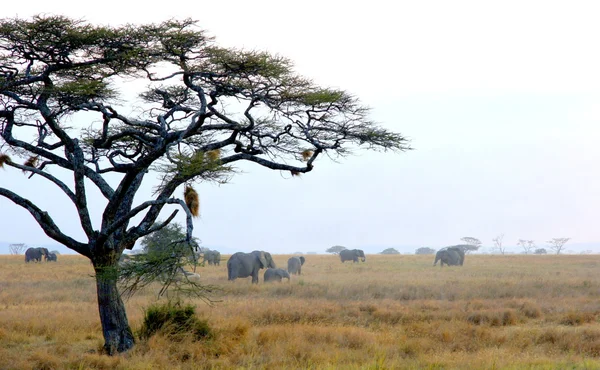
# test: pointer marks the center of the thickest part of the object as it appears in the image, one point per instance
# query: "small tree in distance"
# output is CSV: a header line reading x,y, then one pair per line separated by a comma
x,y
336,249
202,109
498,244
527,245
540,251
425,250
17,248
558,244
472,244
390,251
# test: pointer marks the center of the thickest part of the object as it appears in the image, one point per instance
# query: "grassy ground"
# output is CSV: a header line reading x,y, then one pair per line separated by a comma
x,y
392,312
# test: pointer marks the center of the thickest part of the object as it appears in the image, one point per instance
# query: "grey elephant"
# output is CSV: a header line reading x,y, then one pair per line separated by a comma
x,y
276,275
451,256
35,254
295,265
242,265
212,257
52,257
352,255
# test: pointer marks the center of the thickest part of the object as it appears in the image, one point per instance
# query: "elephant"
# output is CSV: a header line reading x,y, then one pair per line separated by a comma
x,y
212,257
352,255
276,275
295,265
52,257
451,256
35,254
242,265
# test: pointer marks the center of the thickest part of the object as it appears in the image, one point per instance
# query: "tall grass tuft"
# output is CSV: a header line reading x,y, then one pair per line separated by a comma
x,y
174,319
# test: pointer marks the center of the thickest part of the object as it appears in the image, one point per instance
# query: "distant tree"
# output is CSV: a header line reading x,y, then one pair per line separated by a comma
x,y
17,248
390,251
527,245
298,253
472,244
540,251
558,244
498,244
425,250
336,249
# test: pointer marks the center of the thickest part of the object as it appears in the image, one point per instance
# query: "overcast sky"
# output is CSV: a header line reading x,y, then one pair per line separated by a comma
x,y
501,103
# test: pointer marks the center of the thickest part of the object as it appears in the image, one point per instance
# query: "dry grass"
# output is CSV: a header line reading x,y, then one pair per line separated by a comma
x,y
392,312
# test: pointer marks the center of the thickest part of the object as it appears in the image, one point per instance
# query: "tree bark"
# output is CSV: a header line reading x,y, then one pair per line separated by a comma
x,y
115,327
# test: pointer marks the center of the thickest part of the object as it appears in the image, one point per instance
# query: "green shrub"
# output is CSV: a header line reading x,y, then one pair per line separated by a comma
x,y
175,320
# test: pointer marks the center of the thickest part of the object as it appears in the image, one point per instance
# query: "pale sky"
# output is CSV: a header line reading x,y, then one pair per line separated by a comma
x,y
501,101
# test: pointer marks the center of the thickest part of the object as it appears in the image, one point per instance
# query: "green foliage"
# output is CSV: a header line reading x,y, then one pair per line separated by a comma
x,y
170,240
175,320
321,96
248,62
390,251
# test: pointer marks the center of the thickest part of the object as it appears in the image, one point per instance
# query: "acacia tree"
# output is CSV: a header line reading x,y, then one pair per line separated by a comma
x,y
205,108
527,245
336,249
17,248
473,244
498,244
557,244
425,250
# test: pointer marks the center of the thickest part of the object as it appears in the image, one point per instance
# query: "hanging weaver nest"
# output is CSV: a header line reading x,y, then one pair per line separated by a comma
x,y
192,200
31,162
4,158
306,154
213,155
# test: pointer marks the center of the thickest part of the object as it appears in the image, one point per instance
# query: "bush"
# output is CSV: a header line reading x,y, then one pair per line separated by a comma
x,y
174,320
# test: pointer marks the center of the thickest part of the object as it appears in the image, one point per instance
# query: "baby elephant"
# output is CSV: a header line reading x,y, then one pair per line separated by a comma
x,y
276,275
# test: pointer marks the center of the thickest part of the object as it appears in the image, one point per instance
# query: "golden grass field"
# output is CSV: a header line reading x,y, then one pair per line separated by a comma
x,y
392,312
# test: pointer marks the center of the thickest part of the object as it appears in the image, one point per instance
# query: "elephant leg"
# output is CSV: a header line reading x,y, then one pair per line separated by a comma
x,y
255,277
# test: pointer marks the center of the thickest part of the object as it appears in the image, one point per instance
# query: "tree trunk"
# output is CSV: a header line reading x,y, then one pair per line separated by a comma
x,y
115,327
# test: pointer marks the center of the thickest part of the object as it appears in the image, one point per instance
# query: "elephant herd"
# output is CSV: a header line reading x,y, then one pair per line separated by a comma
x,y
243,265
36,254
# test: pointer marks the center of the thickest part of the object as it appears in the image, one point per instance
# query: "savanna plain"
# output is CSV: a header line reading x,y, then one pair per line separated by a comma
x,y
391,312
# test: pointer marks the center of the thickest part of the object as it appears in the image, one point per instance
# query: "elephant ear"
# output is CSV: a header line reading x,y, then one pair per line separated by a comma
x,y
302,259
270,261
263,260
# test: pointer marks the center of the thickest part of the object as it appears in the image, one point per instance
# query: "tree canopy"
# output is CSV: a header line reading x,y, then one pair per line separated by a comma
x,y
472,244
65,114
390,251
336,249
425,250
